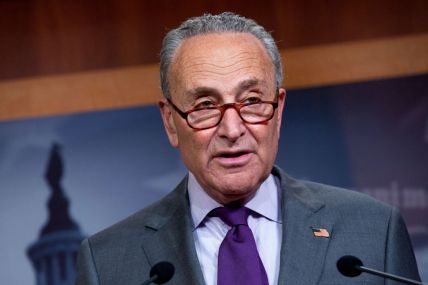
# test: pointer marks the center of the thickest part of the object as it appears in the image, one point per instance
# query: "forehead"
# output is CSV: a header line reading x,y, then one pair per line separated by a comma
x,y
220,61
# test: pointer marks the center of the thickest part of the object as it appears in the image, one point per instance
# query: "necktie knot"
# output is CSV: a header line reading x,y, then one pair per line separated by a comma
x,y
232,216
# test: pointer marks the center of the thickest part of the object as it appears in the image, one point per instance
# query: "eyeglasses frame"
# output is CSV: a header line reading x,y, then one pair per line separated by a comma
x,y
222,108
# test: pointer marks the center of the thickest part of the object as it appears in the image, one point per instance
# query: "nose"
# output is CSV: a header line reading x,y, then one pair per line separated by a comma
x,y
231,126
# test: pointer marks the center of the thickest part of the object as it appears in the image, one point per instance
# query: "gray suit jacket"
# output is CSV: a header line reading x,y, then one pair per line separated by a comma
x,y
358,225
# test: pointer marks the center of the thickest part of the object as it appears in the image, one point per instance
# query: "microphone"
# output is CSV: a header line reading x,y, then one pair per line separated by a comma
x,y
352,266
160,273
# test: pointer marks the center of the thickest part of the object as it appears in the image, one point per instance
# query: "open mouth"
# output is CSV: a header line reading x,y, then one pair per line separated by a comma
x,y
233,154
233,159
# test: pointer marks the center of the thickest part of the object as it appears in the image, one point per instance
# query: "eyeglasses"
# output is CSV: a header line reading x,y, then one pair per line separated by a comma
x,y
250,112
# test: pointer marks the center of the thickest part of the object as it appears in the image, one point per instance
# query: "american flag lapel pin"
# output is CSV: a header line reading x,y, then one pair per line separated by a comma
x,y
320,232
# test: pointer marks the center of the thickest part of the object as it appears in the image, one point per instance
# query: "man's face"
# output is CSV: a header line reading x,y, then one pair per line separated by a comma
x,y
231,160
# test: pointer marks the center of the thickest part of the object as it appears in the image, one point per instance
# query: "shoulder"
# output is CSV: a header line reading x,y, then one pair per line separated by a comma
x,y
123,246
359,225
133,227
334,200
338,197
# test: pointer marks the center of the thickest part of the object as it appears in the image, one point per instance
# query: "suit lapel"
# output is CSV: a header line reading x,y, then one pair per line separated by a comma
x,y
302,253
168,237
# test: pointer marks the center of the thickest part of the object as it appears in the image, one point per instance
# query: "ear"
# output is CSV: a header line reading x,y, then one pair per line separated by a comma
x,y
168,123
281,103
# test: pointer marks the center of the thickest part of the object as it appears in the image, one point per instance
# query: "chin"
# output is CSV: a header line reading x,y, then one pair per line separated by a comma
x,y
234,185
238,187
243,178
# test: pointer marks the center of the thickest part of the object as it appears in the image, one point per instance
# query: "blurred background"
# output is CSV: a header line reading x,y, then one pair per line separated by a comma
x,y
81,141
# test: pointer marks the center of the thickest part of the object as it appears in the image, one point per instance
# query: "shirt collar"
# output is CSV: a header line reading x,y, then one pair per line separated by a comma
x,y
265,202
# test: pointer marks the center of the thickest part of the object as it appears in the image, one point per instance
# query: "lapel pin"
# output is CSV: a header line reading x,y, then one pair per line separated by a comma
x,y
320,232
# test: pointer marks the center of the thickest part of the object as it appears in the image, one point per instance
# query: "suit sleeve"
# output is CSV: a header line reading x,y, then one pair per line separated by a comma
x,y
86,270
400,259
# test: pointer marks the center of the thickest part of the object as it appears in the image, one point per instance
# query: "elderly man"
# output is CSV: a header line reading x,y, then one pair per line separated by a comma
x,y
236,218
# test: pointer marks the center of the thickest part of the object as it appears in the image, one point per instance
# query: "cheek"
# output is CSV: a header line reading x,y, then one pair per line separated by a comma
x,y
267,140
194,147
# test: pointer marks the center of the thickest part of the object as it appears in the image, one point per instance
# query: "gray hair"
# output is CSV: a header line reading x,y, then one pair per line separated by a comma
x,y
224,22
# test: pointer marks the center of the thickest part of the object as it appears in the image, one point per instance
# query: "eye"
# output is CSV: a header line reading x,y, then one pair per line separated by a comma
x,y
252,100
204,104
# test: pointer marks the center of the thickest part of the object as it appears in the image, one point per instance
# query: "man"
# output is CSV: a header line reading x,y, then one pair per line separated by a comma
x,y
221,78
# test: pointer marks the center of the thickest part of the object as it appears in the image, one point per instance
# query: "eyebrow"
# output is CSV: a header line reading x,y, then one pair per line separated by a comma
x,y
248,83
200,91
242,86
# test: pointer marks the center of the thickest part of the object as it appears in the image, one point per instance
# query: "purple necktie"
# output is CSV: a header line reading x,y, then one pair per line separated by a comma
x,y
238,259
